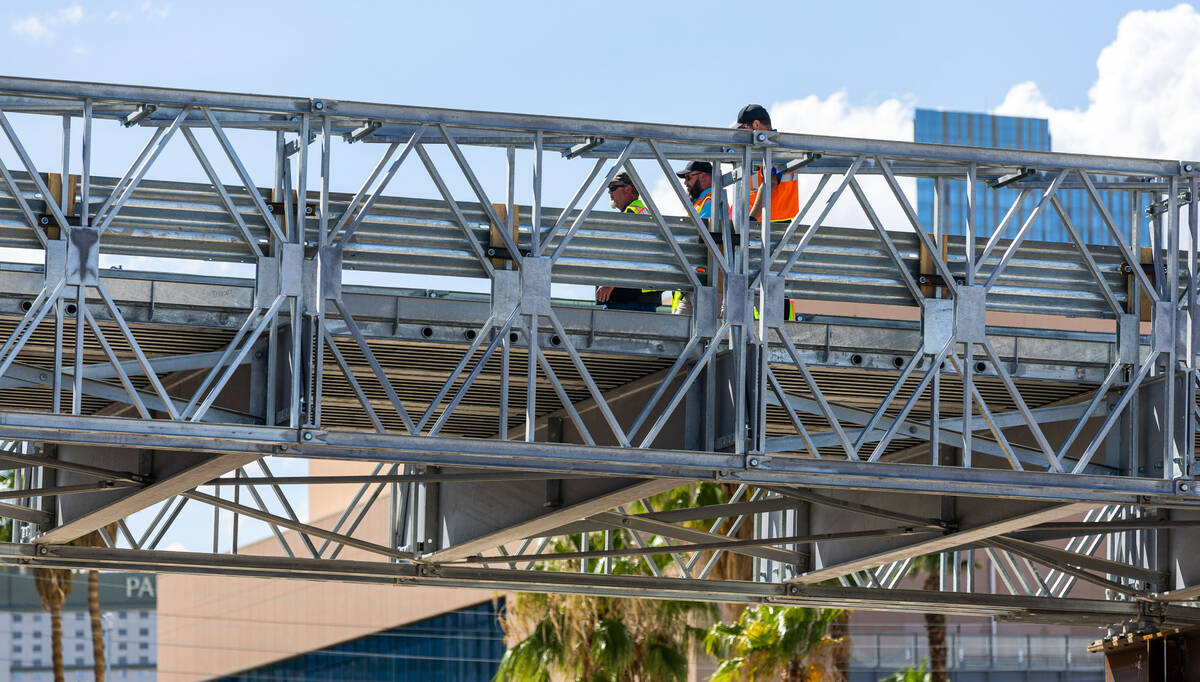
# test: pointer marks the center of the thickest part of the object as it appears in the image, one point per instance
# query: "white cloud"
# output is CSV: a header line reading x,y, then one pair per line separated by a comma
x,y
1145,97
79,50
33,28
153,11
41,27
72,14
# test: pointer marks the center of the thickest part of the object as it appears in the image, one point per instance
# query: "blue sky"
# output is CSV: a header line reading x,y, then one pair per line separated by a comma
x,y
1112,77
690,62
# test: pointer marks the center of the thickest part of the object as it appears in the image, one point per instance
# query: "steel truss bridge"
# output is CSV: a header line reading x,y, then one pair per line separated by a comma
x,y
933,419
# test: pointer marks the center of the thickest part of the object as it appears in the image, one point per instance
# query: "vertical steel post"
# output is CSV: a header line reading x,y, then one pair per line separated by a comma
x,y
1171,290
531,380
1193,280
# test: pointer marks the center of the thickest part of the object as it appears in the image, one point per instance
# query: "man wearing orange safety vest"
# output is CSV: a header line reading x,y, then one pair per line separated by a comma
x,y
785,194
785,197
624,197
697,180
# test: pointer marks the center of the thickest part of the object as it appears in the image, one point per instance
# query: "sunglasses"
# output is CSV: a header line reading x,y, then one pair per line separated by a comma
x,y
615,187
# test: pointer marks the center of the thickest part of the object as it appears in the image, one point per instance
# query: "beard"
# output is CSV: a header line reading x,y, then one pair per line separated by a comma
x,y
613,203
694,191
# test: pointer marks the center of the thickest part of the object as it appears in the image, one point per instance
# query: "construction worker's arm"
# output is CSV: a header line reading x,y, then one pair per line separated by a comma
x,y
756,209
602,294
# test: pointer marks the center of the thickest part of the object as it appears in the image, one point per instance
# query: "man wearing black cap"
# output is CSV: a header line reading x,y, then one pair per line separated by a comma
x,y
697,179
785,195
624,197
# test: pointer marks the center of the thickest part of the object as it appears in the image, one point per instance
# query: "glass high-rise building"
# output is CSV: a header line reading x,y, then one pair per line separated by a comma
x,y
1008,132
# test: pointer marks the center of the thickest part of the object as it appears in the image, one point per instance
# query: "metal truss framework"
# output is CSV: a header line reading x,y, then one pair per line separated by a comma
x,y
510,427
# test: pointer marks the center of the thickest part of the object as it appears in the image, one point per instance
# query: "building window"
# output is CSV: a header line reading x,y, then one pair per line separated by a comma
x,y
143,614
121,661
36,663
122,646
79,661
122,632
17,617
79,633
37,617
144,632
37,648
79,646
79,615
37,634
18,634
122,614
144,646
16,648
144,660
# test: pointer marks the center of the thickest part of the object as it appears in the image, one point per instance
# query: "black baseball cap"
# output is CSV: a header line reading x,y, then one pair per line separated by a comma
x,y
752,112
693,166
623,178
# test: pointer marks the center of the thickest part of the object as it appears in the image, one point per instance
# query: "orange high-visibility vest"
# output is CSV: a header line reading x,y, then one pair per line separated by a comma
x,y
785,197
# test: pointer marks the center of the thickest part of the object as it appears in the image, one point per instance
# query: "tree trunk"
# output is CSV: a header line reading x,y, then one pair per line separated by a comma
x,y
98,665
935,632
53,585
839,632
794,671
56,655
734,566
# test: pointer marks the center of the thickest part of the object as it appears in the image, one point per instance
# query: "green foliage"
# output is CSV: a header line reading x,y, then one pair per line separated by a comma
x,y
765,640
598,639
601,639
532,658
612,645
665,662
912,673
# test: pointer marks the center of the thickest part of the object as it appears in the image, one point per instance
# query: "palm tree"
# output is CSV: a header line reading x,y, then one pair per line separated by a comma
x,y
768,641
53,586
602,638
935,623
96,539
596,638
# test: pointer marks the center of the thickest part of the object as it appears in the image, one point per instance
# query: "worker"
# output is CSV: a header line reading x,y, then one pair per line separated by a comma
x,y
697,180
623,196
785,195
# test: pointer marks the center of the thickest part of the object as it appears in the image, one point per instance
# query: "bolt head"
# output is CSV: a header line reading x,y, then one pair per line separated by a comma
x,y
753,461
44,550
1187,167
318,105
762,136
307,436
283,447
1184,487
